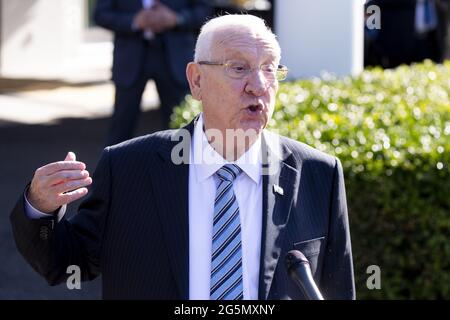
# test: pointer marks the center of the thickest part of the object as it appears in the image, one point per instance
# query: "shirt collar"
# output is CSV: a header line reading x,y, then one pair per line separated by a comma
x,y
207,161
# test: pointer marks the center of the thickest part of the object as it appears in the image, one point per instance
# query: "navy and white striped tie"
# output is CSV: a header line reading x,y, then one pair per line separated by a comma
x,y
226,263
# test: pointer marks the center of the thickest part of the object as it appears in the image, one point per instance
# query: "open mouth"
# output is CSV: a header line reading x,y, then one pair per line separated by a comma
x,y
255,109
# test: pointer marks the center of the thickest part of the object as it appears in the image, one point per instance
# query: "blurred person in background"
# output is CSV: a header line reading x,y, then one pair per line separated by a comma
x,y
153,39
411,31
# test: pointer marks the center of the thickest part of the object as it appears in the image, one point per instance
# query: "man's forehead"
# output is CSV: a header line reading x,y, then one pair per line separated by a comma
x,y
248,52
241,43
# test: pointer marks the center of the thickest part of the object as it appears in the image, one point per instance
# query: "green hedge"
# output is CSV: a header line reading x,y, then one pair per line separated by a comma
x,y
391,130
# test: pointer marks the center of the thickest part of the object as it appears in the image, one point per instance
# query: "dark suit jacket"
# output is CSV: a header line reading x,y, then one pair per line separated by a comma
x,y
133,226
130,47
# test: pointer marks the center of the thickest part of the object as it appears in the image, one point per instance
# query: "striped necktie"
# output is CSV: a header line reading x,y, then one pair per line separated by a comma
x,y
226,263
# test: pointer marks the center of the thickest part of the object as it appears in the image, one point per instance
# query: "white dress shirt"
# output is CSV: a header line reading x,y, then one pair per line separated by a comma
x,y
205,161
33,213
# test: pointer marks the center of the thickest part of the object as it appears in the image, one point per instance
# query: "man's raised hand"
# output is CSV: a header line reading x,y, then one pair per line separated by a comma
x,y
58,183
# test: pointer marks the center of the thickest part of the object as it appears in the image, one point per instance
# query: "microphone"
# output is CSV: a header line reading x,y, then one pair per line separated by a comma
x,y
300,272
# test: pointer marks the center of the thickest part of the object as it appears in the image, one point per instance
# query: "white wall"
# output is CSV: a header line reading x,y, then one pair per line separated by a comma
x,y
44,39
320,35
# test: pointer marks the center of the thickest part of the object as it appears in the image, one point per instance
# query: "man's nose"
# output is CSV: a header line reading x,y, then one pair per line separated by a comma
x,y
257,84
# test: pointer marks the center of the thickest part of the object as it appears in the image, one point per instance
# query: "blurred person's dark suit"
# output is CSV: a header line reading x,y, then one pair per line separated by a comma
x,y
398,42
137,59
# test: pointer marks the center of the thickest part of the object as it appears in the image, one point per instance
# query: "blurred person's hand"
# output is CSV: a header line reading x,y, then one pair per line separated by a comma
x,y
157,19
58,183
141,19
162,18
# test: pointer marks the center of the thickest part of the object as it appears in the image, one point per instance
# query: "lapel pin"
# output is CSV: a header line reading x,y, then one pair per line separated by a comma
x,y
278,189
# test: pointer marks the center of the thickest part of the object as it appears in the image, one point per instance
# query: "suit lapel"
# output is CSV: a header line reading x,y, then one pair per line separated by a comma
x,y
280,186
170,184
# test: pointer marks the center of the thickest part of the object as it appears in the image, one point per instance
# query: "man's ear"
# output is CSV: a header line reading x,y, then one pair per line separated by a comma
x,y
193,75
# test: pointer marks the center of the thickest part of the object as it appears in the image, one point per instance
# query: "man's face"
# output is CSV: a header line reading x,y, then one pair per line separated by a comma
x,y
239,103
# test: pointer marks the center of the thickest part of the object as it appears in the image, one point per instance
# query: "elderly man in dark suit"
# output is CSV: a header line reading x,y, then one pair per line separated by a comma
x,y
152,40
208,211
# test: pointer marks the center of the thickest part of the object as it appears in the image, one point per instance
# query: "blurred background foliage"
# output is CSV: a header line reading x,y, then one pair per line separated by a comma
x,y
391,129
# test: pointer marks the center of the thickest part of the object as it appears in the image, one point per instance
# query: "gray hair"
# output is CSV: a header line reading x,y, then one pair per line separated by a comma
x,y
232,22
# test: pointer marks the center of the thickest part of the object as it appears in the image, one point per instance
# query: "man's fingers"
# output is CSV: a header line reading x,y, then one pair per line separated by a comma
x,y
58,183
68,197
70,185
65,175
51,168
70,156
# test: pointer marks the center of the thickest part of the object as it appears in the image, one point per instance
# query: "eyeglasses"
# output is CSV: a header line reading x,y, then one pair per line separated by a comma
x,y
240,70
